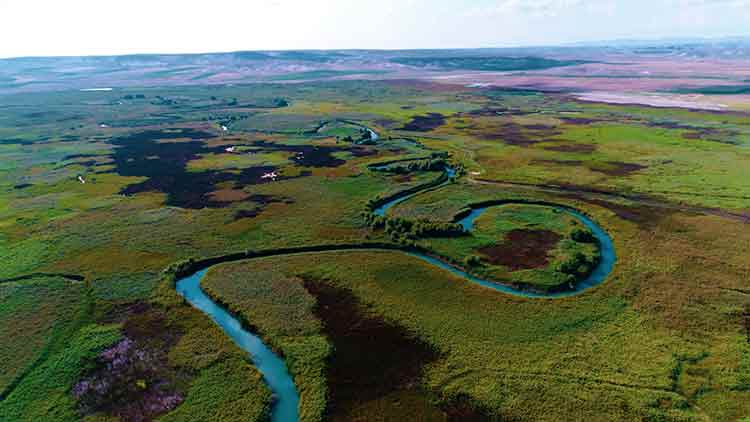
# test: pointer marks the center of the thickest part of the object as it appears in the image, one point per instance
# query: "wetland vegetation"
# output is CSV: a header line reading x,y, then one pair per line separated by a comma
x,y
406,250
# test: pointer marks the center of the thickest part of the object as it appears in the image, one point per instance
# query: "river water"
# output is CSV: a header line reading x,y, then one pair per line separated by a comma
x,y
274,370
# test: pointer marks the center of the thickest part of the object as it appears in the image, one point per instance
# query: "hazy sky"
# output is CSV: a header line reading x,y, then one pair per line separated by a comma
x,y
81,27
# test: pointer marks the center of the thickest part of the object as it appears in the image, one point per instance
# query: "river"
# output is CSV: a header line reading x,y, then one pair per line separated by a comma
x,y
274,370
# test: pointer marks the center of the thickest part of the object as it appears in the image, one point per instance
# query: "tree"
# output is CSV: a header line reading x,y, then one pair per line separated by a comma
x,y
582,235
472,261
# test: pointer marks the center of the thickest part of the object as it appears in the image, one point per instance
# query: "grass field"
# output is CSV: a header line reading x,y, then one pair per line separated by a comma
x,y
109,188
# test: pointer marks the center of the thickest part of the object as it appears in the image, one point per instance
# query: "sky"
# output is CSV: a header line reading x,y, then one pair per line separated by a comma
x,y
103,27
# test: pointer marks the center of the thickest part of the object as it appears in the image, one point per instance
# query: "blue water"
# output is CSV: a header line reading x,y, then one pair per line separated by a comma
x,y
373,136
381,210
275,373
468,222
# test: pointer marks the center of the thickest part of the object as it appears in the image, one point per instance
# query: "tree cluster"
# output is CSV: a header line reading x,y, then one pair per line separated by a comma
x,y
579,265
179,268
582,236
225,120
163,101
365,138
403,228
415,166
472,261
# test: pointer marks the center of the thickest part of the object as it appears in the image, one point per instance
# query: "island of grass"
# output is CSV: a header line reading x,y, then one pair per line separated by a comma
x,y
534,247
347,131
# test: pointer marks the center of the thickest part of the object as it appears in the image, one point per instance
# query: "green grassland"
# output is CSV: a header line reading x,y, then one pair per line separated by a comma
x,y
684,156
664,338
277,305
549,356
41,311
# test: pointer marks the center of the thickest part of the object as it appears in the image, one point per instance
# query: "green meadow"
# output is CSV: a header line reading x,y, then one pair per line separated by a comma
x,y
100,192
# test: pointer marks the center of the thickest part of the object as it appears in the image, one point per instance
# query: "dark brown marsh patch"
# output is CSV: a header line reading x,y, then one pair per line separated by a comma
x,y
642,215
693,132
228,195
310,155
386,123
261,202
610,168
374,363
118,313
424,85
574,163
359,151
164,164
145,154
522,249
714,135
572,147
617,168
491,111
515,134
132,379
463,409
665,124
541,127
76,156
425,123
84,163
579,121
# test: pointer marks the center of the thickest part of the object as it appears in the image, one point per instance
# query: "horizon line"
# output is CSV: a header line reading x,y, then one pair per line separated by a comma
x,y
574,44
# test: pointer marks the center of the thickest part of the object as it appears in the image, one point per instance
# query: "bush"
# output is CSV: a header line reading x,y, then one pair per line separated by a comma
x,y
402,228
583,236
437,164
179,268
578,264
472,261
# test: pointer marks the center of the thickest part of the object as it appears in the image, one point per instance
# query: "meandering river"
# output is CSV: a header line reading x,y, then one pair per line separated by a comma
x,y
275,373
271,366
274,370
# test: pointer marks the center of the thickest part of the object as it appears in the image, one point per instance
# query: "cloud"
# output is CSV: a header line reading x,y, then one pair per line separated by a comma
x,y
533,8
712,3
43,27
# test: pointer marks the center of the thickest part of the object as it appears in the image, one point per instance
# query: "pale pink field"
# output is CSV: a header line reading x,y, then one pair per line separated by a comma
x,y
664,100
612,78
632,80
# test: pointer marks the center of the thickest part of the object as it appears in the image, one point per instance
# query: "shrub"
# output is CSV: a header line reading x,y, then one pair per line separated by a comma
x,y
578,264
472,261
402,228
583,236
